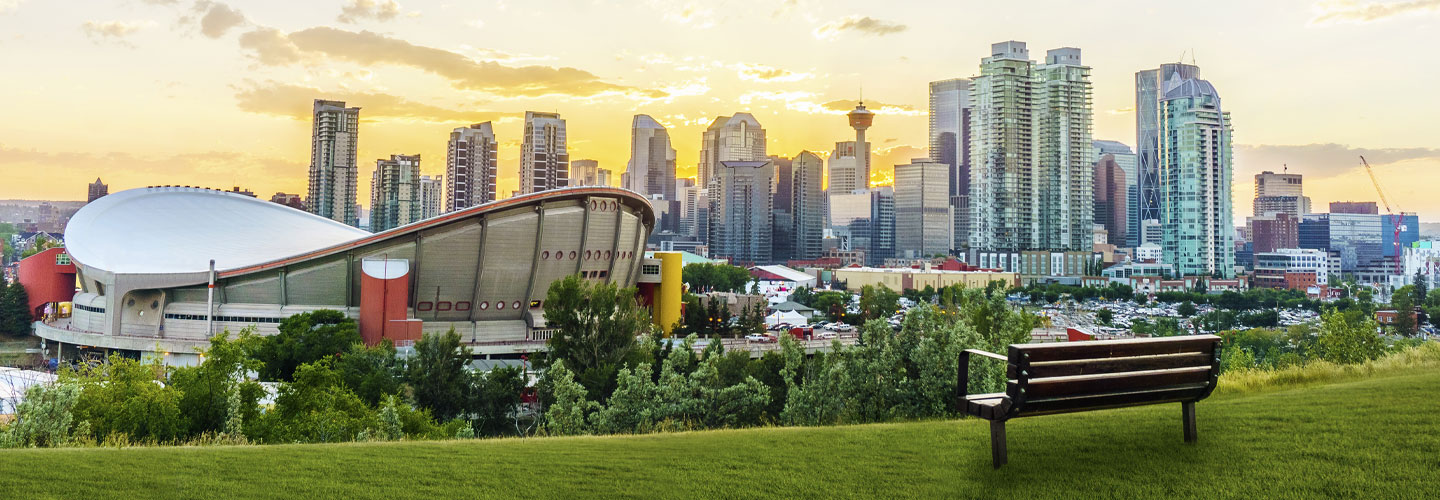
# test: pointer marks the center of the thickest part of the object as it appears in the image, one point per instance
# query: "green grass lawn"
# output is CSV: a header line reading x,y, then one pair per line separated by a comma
x,y
1371,438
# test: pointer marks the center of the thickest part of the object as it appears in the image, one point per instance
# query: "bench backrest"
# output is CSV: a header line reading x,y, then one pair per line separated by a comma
x,y
1078,376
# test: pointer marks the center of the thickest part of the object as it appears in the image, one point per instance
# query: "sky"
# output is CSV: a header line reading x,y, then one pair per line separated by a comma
x,y
218,93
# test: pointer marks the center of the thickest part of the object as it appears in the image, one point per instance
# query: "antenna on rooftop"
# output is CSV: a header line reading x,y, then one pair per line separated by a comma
x,y
862,94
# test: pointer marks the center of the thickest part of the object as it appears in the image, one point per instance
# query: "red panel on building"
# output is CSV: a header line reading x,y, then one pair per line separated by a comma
x,y
48,276
384,300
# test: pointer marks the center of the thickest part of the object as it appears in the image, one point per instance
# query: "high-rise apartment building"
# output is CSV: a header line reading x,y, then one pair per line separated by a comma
x,y
97,189
730,138
1064,163
1280,193
1002,145
1195,175
688,197
1030,150
882,226
807,205
950,109
471,167
922,209
294,201
651,169
544,162
432,194
1128,162
335,131
1149,91
740,211
395,192
1111,200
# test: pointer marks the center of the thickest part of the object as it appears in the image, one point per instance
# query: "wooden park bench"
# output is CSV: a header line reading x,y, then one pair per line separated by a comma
x,y
1044,379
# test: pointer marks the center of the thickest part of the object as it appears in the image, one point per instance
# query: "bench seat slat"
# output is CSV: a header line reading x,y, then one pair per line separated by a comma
x,y
1063,351
1044,369
1105,383
1118,399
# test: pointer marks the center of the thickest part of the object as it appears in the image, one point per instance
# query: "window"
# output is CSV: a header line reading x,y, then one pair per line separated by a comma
x,y
650,269
62,259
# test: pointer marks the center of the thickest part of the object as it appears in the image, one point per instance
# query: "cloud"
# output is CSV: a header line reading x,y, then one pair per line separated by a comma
x,y
367,48
842,106
865,25
115,31
294,101
763,73
1356,12
356,11
218,18
271,47
9,5
1317,161
690,14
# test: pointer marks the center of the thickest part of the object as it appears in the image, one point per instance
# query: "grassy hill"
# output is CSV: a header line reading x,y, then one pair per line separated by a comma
x,y
1373,438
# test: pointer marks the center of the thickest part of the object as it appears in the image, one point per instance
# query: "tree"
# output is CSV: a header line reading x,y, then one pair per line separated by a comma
x,y
305,338
44,417
42,244
122,398
804,296
1421,288
209,391
878,302
15,318
1104,316
595,329
1186,309
1403,301
372,372
493,397
717,277
316,407
832,304
436,373
1348,338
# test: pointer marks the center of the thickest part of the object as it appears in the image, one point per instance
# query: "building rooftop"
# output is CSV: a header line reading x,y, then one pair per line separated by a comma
x,y
179,229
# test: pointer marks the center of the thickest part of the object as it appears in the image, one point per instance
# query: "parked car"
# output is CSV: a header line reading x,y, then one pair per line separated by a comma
x,y
755,337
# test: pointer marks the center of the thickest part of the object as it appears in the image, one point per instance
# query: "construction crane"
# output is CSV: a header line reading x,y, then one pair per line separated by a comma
x,y
1397,220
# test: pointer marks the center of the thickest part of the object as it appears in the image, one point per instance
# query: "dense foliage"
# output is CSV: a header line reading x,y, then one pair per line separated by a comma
x,y
305,338
717,277
15,314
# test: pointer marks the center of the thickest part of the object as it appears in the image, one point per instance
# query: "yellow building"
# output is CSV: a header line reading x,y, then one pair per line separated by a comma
x,y
901,279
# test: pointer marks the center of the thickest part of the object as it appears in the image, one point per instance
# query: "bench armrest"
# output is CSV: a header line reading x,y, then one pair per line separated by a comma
x,y
962,386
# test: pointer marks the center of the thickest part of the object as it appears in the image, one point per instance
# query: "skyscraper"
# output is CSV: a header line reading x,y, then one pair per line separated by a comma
x,y
1002,145
729,138
395,192
97,189
882,226
688,198
782,211
1064,161
432,191
1280,193
333,174
1195,175
950,144
1148,94
1111,199
740,211
471,167
651,169
1126,160
544,162
807,205
585,173
922,209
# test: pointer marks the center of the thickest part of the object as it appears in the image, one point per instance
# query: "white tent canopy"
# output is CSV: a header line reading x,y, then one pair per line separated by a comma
x,y
788,317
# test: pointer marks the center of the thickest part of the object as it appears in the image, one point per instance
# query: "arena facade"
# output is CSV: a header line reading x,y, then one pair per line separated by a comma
x,y
143,260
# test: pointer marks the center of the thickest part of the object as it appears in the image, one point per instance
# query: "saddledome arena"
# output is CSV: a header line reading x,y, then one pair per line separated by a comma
x,y
142,258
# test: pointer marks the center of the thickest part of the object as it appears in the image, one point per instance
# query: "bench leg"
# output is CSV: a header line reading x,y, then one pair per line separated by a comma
x,y
1187,413
997,443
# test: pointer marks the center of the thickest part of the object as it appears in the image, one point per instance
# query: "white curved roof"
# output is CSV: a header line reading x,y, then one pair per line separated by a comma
x,y
178,230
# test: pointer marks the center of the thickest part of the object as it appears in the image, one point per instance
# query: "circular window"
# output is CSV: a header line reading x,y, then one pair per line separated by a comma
x,y
516,304
500,305
593,205
572,255
545,255
484,306
130,303
559,255
587,255
155,304
607,255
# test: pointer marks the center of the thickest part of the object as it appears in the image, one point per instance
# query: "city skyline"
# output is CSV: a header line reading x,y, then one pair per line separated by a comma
x,y
166,67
